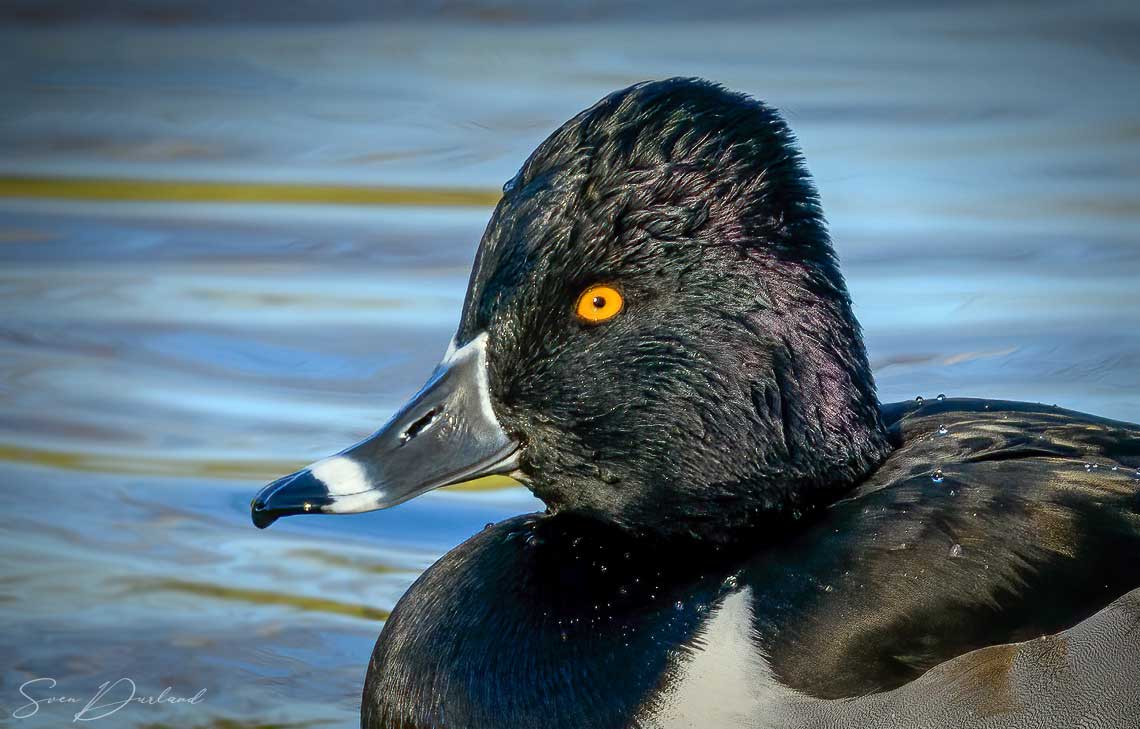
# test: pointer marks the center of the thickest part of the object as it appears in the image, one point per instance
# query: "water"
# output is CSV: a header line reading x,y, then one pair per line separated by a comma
x,y
161,360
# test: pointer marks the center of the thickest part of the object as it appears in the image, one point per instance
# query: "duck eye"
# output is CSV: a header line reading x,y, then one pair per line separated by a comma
x,y
599,303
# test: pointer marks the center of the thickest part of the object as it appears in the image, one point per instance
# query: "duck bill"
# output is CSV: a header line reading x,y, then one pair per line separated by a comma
x,y
446,434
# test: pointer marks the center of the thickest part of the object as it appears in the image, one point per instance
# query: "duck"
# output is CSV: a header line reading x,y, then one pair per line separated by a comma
x,y
658,342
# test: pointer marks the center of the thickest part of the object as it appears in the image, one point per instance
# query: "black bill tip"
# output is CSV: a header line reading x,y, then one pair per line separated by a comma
x,y
298,493
261,516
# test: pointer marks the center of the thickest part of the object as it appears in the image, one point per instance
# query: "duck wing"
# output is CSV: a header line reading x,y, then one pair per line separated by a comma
x,y
1086,676
991,523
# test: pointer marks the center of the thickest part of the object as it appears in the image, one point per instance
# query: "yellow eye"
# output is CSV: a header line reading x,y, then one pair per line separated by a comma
x,y
599,303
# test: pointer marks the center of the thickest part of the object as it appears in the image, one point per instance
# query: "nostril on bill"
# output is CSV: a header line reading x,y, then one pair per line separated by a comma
x,y
418,427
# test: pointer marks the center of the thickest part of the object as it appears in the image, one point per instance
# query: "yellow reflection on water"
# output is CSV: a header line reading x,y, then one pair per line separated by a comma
x,y
136,464
262,597
139,190
356,564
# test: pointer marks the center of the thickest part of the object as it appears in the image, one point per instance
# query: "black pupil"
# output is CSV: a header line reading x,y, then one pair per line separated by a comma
x,y
599,302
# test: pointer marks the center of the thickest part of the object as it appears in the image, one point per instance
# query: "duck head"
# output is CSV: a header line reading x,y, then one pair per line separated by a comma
x,y
656,334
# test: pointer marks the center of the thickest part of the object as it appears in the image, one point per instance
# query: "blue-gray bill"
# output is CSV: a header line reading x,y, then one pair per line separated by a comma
x,y
446,434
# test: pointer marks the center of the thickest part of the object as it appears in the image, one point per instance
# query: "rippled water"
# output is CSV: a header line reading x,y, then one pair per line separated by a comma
x,y
160,360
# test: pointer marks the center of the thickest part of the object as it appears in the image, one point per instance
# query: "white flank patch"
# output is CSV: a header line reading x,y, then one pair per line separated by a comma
x,y
723,679
341,476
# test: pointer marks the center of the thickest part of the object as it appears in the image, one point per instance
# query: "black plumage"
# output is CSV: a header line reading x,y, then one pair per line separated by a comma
x,y
737,335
